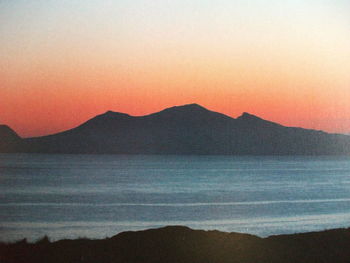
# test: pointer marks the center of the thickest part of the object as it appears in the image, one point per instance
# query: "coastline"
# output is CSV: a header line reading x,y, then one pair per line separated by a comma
x,y
182,244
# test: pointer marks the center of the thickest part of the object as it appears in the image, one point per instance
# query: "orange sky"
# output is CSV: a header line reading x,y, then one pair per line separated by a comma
x,y
63,63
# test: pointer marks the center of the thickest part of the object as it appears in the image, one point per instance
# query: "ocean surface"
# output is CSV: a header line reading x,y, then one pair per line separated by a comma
x,y
97,196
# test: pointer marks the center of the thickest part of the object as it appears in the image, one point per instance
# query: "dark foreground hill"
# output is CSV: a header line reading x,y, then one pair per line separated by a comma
x,y
188,129
181,244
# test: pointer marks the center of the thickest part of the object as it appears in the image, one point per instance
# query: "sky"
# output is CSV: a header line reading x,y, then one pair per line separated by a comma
x,y
63,62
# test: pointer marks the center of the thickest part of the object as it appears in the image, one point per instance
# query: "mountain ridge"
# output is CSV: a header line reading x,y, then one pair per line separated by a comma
x,y
187,129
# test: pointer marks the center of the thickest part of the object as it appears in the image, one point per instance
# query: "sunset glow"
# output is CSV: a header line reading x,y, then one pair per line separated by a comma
x,y
63,62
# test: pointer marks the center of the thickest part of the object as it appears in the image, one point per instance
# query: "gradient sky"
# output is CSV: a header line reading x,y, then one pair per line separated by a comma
x,y
64,61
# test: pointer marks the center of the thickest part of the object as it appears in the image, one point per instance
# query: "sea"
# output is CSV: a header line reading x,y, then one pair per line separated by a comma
x,y
97,196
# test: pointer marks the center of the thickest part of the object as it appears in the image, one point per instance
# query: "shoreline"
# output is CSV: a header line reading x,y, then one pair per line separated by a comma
x,y
183,244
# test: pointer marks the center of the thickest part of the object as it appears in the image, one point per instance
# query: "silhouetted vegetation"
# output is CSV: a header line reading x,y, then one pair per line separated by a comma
x,y
182,244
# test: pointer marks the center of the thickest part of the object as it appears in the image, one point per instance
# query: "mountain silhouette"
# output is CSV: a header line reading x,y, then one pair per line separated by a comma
x,y
188,129
9,140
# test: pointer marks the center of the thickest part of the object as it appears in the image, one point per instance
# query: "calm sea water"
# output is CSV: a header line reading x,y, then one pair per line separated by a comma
x,y
70,196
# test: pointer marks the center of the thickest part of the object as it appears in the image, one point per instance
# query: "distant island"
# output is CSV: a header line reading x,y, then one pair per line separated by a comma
x,y
187,129
176,244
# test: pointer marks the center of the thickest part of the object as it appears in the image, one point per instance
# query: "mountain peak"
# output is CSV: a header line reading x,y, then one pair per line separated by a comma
x,y
112,114
193,112
184,109
193,105
255,120
248,116
190,107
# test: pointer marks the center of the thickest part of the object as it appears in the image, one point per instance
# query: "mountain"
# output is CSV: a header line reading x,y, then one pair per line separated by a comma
x,y
188,129
9,140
